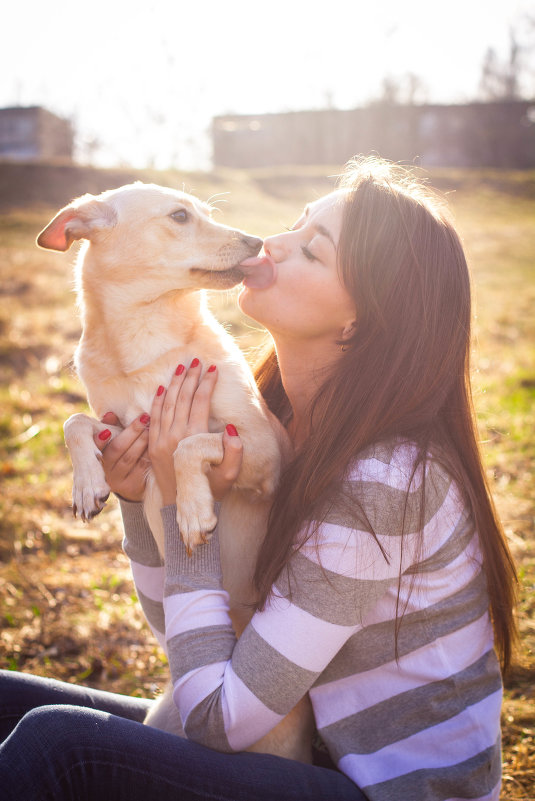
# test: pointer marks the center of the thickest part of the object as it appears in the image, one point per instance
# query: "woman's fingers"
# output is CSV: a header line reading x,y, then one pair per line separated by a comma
x,y
223,476
124,458
200,407
183,408
167,401
110,418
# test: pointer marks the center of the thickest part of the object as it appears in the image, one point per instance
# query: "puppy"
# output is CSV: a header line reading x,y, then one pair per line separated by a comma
x,y
149,254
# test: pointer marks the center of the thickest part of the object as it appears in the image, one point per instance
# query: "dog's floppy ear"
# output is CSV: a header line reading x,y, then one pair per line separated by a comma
x,y
79,220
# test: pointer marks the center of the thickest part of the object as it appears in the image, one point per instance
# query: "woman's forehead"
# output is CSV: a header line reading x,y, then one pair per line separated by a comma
x,y
327,203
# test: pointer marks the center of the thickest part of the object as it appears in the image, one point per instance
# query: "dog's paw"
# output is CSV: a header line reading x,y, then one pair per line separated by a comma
x,y
89,498
196,524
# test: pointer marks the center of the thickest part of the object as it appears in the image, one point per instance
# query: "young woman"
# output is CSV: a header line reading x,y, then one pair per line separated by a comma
x,y
384,579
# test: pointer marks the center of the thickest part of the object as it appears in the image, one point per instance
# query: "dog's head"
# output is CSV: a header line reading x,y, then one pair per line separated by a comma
x,y
148,232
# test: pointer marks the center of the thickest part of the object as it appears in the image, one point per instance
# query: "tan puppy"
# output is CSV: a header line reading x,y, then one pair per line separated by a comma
x,y
150,252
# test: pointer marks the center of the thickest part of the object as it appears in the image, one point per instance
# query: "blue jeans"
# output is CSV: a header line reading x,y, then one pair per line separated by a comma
x,y
59,741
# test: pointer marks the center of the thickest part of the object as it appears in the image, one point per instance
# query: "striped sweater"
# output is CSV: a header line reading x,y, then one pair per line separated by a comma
x,y
424,725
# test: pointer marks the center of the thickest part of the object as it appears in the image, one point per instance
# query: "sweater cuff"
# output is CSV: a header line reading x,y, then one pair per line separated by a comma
x,y
138,544
203,564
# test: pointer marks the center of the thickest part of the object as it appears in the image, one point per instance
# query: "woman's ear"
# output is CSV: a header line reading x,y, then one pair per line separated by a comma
x,y
349,329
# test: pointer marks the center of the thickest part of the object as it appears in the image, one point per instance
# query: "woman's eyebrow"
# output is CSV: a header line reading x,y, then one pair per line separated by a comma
x,y
324,232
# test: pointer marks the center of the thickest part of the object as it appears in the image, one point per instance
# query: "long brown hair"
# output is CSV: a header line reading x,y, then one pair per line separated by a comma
x,y
405,372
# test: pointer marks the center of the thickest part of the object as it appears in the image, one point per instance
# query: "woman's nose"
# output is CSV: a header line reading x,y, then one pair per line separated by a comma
x,y
274,246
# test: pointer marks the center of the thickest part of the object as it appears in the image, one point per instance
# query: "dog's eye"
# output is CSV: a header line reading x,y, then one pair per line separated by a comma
x,y
180,216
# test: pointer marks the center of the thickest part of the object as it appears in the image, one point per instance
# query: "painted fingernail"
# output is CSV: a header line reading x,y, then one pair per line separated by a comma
x,y
180,369
144,418
104,435
211,369
231,430
160,390
194,363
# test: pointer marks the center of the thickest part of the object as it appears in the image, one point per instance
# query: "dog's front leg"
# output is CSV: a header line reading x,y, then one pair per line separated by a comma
x,y
195,505
90,490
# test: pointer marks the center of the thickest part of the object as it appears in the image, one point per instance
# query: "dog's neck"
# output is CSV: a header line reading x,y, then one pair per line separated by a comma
x,y
134,335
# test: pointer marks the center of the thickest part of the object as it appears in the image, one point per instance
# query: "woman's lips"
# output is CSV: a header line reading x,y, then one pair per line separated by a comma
x,y
259,272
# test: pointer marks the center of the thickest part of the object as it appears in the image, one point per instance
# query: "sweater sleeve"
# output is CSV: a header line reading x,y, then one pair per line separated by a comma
x,y
231,693
146,564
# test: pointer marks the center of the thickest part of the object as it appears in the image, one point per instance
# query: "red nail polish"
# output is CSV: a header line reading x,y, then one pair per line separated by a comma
x,y
160,390
231,430
211,369
144,418
194,363
106,434
180,369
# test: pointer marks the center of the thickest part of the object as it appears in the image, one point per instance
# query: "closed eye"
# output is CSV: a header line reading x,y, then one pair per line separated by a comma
x,y
306,252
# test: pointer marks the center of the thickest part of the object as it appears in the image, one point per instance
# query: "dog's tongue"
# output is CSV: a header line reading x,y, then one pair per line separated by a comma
x,y
259,272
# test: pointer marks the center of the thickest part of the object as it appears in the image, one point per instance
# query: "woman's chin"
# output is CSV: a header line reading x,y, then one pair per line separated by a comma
x,y
247,301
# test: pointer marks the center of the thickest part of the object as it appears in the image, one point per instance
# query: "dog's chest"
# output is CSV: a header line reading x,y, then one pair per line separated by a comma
x,y
132,395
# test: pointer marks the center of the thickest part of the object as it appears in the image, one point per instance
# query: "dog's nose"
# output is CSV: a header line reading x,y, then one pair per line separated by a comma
x,y
254,243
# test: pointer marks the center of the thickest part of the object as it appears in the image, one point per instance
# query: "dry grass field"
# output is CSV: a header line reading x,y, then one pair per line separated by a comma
x,y
67,606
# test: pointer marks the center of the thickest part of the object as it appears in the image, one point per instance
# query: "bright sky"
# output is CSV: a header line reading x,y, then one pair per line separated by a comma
x,y
145,77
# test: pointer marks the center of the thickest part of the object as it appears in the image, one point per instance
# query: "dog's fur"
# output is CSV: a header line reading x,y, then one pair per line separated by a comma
x,y
150,253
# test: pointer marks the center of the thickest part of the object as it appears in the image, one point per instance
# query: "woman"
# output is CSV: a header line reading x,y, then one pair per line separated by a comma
x,y
383,565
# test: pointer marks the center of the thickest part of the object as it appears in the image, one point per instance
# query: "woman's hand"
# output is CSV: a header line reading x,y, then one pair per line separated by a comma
x,y
125,457
182,411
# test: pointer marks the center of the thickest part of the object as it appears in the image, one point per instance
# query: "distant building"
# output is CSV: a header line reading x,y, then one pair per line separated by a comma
x,y
499,134
34,134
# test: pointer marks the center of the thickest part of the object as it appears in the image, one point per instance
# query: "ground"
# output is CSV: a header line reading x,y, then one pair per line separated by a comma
x,y
67,605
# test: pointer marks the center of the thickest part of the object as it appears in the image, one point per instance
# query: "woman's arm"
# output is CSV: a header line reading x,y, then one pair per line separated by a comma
x,y
231,693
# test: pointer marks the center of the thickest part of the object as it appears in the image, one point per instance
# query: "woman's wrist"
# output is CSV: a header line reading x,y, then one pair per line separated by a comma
x,y
123,499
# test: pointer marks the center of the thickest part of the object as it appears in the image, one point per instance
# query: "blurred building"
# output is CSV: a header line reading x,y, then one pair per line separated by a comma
x,y
498,134
34,134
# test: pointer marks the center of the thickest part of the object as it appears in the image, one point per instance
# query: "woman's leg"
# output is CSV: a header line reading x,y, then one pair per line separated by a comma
x,y
21,692
69,753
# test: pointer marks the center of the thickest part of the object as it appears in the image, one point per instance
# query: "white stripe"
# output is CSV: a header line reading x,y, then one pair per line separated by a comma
x,y
191,688
429,588
160,636
439,660
245,717
149,580
355,553
453,741
307,641
195,610
396,474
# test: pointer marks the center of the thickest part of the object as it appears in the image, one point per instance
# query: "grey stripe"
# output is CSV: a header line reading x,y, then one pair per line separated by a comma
x,y
408,713
205,724
143,552
139,544
452,548
374,645
177,585
153,611
274,680
386,511
343,602
193,649
473,778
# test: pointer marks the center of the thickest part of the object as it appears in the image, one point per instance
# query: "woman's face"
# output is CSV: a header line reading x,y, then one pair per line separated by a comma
x,y
305,298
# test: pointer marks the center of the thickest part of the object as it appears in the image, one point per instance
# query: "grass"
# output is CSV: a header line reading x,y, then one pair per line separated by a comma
x,y
67,605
